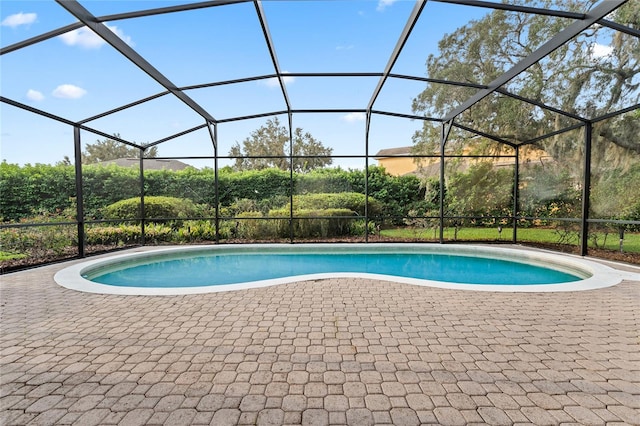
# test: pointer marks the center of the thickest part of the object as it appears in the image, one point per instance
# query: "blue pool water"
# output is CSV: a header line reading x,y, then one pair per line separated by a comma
x,y
221,269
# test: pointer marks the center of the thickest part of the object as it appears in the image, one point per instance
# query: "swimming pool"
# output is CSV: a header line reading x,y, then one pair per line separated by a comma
x,y
203,269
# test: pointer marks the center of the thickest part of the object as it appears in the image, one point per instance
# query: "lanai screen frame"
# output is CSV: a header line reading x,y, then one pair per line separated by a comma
x,y
581,22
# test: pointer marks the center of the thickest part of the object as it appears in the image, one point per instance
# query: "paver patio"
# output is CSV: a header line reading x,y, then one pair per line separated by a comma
x,y
336,351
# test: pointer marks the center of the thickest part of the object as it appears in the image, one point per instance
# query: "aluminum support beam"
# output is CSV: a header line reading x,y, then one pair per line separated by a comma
x,y
554,133
485,135
291,183
216,153
404,36
37,111
367,127
249,117
446,129
177,135
116,17
615,113
618,27
320,111
272,51
79,191
39,38
539,104
123,107
142,209
516,8
213,134
169,9
438,81
597,13
84,16
409,116
586,190
377,74
226,82
265,77
516,194
64,120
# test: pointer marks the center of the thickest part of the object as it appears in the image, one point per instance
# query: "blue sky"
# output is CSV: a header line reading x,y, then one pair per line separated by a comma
x,y
77,75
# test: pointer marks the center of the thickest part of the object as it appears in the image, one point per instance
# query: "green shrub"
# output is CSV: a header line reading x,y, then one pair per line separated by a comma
x,y
357,227
250,205
30,189
155,233
104,185
252,225
197,185
307,224
327,180
155,208
239,206
353,201
253,184
226,229
397,194
196,230
39,241
117,235
314,223
121,235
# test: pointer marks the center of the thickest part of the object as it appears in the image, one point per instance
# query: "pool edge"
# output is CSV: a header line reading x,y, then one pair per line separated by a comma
x,y
602,275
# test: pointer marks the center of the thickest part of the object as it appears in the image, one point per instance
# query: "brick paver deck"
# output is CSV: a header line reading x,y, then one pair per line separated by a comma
x,y
338,351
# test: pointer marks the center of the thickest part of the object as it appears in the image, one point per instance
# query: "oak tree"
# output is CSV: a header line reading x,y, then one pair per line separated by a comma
x,y
596,73
269,146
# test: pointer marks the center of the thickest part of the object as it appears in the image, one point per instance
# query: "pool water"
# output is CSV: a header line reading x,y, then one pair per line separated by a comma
x,y
223,269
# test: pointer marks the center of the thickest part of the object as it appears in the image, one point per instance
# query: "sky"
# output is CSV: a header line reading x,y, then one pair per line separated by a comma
x,y
77,75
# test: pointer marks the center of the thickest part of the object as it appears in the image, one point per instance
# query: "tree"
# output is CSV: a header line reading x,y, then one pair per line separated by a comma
x,y
268,146
482,190
595,74
109,149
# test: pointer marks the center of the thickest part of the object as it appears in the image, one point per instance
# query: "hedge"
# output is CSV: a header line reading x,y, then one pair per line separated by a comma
x,y
343,200
154,207
30,189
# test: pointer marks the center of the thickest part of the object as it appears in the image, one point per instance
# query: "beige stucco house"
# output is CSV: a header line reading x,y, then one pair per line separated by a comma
x,y
399,161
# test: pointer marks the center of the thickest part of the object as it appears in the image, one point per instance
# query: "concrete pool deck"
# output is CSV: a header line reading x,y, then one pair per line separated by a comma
x,y
335,351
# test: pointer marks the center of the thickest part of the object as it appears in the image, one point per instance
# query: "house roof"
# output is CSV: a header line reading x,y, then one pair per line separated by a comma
x,y
390,152
149,163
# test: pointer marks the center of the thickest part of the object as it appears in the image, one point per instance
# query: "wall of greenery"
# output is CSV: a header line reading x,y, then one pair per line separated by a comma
x,y
328,203
32,189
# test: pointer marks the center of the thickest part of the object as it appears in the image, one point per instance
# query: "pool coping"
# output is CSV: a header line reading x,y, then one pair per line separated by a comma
x,y
601,275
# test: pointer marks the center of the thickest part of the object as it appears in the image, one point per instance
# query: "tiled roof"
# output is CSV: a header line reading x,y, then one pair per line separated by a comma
x,y
404,150
149,163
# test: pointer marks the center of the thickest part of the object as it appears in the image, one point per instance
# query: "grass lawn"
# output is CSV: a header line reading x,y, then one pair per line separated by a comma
x,y
535,235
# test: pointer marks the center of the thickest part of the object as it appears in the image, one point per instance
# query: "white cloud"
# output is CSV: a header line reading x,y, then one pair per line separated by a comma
x,y
273,82
354,116
34,95
18,19
86,38
117,31
69,91
382,4
82,37
345,47
597,50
